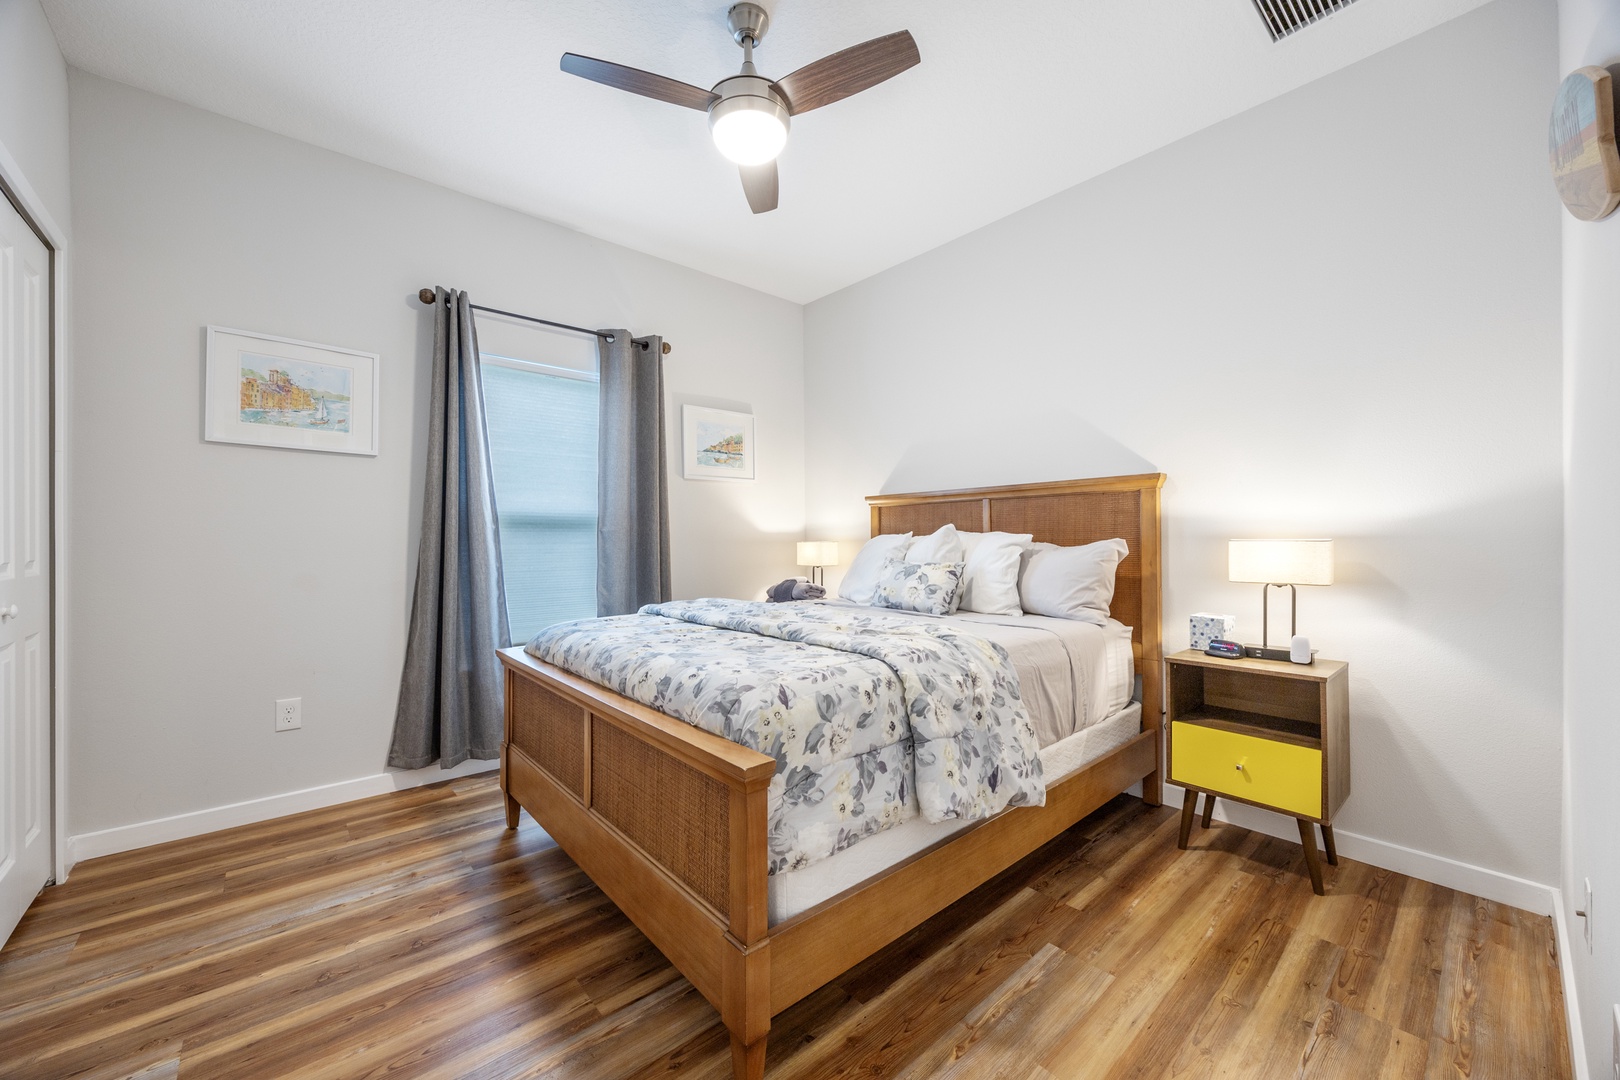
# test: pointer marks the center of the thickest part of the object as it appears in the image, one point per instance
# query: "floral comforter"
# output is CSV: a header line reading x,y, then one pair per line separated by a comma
x,y
871,717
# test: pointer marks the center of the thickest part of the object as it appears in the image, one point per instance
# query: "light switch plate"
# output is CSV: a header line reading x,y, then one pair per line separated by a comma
x,y
1590,914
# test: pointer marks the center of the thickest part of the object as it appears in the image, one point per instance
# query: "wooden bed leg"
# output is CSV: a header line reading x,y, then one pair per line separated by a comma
x,y
512,811
747,1059
1153,788
1189,804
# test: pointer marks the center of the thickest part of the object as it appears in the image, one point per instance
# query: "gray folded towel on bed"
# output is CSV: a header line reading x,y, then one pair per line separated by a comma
x,y
794,589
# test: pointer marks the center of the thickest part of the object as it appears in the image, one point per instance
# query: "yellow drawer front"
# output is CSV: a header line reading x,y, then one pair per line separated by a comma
x,y
1278,774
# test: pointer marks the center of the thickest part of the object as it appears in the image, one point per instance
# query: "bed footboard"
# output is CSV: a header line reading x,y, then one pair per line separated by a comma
x,y
668,820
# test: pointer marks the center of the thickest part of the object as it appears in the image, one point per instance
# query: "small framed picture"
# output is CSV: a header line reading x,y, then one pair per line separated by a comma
x,y
717,444
273,391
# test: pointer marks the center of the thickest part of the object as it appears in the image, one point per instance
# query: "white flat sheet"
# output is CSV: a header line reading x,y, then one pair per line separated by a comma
x,y
1071,674
800,890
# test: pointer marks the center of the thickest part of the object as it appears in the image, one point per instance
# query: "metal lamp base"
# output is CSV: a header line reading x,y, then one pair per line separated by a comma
x,y
1264,650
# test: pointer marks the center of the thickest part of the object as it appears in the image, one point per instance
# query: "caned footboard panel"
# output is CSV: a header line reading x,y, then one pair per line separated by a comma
x,y
550,730
677,816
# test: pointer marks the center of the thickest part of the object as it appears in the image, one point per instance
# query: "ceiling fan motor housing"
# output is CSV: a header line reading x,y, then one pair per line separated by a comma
x,y
748,21
751,92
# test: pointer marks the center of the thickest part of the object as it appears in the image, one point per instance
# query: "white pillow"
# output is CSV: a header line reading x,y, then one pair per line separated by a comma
x,y
861,579
990,582
1071,582
943,545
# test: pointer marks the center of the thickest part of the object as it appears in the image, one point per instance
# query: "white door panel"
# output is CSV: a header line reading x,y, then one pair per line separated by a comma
x,y
25,593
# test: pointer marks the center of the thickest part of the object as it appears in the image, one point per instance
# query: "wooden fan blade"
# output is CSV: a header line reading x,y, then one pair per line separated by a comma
x,y
859,67
637,81
759,184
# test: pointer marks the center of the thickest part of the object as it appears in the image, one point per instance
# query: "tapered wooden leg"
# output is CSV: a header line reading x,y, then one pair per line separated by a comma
x,y
1209,807
1327,842
512,811
747,1059
1189,805
1313,862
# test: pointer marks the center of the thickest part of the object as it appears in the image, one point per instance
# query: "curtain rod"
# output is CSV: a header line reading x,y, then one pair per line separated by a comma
x,y
428,297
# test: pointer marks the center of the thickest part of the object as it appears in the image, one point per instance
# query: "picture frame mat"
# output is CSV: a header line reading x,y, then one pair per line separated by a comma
x,y
693,420
222,389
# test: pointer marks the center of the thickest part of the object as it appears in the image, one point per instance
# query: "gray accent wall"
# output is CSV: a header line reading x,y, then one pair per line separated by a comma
x,y
1334,315
209,579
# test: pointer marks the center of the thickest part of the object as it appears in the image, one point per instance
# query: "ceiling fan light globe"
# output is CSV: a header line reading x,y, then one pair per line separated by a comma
x,y
749,130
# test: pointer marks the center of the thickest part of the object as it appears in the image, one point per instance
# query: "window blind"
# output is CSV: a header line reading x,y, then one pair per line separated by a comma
x,y
542,447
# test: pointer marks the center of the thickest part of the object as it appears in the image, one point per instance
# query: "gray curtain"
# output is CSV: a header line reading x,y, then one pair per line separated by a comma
x,y
450,698
632,538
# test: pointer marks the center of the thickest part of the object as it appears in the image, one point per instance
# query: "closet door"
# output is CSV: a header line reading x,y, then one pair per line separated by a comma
x,y
25,570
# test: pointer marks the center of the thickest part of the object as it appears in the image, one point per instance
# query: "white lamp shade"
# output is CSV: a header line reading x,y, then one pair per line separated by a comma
x,y
818,553
1281,562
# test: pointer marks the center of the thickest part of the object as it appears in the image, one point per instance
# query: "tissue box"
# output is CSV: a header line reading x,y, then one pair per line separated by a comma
x,y
1206,627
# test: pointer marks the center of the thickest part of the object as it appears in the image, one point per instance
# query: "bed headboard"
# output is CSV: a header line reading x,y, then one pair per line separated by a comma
x,y
1062,512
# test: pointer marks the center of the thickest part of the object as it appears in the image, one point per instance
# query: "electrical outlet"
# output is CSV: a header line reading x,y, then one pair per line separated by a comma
x,y
289,713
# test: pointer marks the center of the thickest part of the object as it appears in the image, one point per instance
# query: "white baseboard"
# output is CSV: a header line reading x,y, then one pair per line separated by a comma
x,y
1493,885
161,830
1572,1005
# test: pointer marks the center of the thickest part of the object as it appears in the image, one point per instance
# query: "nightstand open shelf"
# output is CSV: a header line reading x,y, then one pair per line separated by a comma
x,y
1264,732
1259,725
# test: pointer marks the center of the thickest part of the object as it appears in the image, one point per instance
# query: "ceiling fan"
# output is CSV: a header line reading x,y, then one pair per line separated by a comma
x,y
748,113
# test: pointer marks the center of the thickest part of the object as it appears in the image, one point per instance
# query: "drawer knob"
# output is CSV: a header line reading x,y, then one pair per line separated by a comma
x,y
1241,763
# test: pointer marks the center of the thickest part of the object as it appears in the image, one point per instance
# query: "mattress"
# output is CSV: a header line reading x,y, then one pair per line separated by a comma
x,y
795,891
1071,674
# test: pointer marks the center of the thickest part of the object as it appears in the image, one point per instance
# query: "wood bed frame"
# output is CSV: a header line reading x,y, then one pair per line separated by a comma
x,y
670,821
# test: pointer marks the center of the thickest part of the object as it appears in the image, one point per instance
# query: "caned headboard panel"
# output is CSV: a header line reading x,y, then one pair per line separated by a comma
x,y
1063,512
924,518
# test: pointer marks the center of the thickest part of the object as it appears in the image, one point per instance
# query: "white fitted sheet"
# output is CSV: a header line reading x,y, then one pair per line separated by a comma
x,y
1071,674
800,890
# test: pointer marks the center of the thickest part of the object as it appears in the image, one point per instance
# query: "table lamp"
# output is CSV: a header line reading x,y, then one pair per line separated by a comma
x,y
1275,563
816,554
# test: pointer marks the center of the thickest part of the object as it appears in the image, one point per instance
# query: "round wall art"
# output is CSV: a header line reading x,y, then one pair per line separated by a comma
x,y
1581,147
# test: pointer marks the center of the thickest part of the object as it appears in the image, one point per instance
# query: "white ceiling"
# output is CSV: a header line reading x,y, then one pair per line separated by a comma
x,y
1012,103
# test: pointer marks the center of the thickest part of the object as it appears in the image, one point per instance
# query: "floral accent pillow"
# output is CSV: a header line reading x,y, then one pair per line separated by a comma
x,y
929,588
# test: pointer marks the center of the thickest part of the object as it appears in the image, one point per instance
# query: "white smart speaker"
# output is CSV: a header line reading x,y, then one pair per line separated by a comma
x,y
1299,650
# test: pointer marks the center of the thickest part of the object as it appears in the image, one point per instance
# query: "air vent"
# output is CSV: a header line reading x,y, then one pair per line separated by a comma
x,y
1284,17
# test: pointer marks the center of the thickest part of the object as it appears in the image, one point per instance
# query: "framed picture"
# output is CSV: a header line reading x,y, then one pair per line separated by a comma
x,y
1581,145
274,391
717,444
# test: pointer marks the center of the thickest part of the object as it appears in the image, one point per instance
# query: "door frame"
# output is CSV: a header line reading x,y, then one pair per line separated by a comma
x,y
14,186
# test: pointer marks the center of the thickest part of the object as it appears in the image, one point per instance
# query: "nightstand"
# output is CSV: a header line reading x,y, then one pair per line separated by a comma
x,y
1264,732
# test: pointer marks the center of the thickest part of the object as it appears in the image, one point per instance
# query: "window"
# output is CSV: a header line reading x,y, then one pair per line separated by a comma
x,y
542,447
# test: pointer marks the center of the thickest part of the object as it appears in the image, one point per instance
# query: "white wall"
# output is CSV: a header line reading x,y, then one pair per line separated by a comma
x,y
1589,32
1334,315
34,104
211,579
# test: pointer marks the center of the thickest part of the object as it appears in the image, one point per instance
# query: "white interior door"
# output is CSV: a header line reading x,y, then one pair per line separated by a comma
x,y
25,567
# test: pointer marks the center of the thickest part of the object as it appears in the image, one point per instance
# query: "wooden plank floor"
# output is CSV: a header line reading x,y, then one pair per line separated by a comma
x,y
412,935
